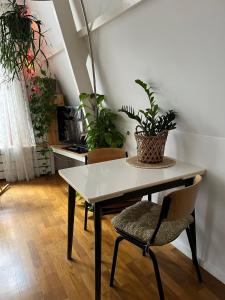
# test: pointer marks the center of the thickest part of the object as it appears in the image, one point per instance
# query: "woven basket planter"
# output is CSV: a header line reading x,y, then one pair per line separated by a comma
x,y
150,149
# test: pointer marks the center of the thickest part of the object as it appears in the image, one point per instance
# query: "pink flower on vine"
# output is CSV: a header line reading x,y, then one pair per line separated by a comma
x,y
30,56
30,72
36,89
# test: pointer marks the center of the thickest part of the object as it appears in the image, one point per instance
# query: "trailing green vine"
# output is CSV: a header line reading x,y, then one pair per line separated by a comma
x,y
42,108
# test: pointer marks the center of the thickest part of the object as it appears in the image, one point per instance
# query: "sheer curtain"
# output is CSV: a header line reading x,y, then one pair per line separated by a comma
x,y
17,140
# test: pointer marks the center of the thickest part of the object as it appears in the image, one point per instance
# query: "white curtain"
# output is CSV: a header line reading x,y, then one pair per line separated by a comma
x,y
17,140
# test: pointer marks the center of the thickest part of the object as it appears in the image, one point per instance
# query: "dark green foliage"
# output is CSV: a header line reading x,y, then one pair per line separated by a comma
x,y
20,42
42,107
101,131
149,120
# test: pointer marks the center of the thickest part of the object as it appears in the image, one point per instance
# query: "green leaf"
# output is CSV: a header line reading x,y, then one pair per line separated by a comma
x,y
43,72
100,99
145,87
129,111
150,122
108,138
83,96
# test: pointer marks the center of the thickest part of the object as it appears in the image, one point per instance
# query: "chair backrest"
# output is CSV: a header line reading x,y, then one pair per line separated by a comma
x,y
105,154
182,202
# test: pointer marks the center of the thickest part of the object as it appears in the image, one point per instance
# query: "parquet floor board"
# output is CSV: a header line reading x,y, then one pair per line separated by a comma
x,y
33,264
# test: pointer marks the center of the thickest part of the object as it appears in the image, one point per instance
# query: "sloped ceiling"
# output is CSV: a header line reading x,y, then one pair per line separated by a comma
x,y
56,51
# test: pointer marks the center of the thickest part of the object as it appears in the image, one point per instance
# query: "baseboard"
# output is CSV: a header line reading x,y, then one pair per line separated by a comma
x,y
217,273
212,269
182,247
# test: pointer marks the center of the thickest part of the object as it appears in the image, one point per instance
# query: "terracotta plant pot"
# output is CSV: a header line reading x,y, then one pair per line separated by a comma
x,y
150,149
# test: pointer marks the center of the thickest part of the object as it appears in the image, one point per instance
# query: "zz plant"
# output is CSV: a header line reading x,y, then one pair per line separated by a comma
x,y
21,40
101,130
150,122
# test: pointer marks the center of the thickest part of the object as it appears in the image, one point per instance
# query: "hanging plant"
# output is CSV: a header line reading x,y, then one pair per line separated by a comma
x,y
21,40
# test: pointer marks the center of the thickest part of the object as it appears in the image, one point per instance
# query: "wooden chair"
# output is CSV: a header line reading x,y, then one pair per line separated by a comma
x,y
147,224
101,155
104,154
4,188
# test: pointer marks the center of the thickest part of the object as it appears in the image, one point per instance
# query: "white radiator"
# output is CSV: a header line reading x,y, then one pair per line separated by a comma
x,y
43,164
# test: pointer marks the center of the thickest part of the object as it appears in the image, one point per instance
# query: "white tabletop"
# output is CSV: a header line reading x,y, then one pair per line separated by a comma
x,y
101,181
59,149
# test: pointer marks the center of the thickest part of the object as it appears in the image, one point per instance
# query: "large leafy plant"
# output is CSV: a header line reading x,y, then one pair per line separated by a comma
x,y
42,106
150,121
101,129
21,40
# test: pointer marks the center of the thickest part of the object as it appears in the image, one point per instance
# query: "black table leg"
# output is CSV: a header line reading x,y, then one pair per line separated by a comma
x,y
71,211
98,250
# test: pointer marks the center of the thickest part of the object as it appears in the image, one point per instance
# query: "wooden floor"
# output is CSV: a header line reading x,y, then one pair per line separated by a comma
x,y
33,265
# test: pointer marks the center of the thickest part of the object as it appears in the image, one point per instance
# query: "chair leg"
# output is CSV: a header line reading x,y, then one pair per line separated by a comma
x,y
85,216
118,240
194,256
143,252
157,274
190,240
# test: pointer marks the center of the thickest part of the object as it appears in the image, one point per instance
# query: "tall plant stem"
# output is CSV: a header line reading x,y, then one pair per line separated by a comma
x,y
91,53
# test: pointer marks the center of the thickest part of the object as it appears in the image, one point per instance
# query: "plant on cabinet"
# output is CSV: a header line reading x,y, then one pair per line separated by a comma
x,y
42,108
101,129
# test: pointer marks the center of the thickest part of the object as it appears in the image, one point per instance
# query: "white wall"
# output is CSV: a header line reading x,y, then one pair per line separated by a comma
x,y
96,8
179,46
57,54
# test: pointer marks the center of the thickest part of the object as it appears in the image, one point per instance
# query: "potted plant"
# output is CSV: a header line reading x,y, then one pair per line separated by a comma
x,y
101,129
152,129
21,40
42,107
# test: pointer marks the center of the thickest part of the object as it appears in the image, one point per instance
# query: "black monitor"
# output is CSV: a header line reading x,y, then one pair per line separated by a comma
x,y
71,125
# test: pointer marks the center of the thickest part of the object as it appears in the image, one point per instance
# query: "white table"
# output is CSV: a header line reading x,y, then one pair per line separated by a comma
x,y
115,181
60,149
